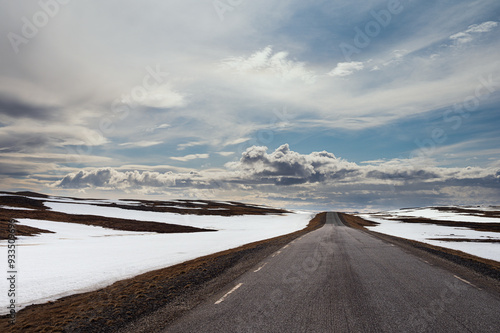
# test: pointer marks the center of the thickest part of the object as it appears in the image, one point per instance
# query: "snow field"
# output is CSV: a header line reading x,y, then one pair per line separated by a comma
x,y
79,258
427,232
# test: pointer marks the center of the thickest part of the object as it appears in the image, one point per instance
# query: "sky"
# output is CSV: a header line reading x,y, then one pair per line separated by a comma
x,y
315,105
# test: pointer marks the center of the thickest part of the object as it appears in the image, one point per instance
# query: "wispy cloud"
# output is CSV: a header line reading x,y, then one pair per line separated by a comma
x,y
183,146
140,144
346,68
225,153
267,62
189,157
469,34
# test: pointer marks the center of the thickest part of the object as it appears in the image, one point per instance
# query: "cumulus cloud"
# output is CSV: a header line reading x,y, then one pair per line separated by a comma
x,y
346,68
283,174
285,167
275,64
468,35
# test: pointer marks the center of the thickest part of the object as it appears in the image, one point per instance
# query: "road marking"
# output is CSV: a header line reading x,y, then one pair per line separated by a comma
x,y
258,269
286,246
274,255
228,293
463,280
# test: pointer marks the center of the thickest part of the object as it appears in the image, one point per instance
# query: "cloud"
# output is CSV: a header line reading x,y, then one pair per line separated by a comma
x,y
109,178
142,144
468,35
286,167
396,58
28,135
225,153
236,142
483,27
183,146
285,174
274,64
154,128
346,68
190,157
163,97
223,83
17,109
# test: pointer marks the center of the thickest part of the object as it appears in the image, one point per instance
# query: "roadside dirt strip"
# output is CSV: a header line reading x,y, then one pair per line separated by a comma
x,y
342,279
148,302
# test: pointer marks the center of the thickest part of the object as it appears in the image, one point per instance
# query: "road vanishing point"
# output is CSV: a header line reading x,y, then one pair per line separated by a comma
x,y
340,279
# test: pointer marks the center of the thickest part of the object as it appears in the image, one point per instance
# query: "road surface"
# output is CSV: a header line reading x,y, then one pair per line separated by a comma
x,y
339,279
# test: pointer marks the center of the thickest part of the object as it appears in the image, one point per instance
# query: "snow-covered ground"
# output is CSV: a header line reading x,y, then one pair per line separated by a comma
x,y
16,208
428,232
435,214
79,258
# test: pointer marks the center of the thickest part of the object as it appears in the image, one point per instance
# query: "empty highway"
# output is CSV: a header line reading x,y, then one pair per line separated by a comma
x,y
339,279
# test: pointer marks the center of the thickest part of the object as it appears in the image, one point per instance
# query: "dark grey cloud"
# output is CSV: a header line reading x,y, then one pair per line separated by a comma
x,y
17,109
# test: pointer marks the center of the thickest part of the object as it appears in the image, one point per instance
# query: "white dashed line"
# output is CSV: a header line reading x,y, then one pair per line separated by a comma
x,y
286,246
258,269
228,293
463,280
274,255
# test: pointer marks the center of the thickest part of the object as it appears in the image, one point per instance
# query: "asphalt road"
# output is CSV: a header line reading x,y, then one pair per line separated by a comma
x,y
339,279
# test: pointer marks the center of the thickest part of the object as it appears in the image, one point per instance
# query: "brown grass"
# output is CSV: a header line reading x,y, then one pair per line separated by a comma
x,y
41,212
106,222
22,202
209,208
479,226
356,222
469,240
20,230
110,308
470,211
22,199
